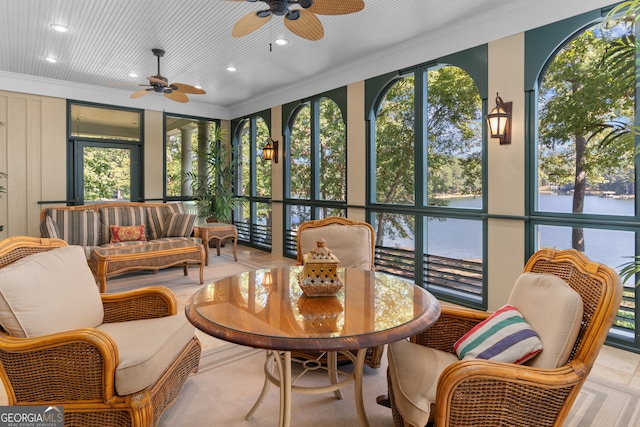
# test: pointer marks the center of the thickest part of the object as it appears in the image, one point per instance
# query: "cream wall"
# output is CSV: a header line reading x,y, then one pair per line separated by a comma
x,y
506,185
33,152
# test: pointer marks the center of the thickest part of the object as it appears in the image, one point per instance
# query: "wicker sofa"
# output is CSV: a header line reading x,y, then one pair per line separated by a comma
x,y
90,226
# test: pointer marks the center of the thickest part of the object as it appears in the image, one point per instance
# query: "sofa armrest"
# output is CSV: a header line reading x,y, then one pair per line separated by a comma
x,y
76,365
145,303
452,324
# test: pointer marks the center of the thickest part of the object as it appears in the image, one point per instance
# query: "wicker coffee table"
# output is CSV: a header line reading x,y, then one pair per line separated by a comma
x,y
218,231
111,261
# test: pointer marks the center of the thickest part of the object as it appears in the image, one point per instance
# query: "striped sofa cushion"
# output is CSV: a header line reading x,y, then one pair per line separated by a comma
x,y
48,228
179,225
119,215
503,337
80,227
156,218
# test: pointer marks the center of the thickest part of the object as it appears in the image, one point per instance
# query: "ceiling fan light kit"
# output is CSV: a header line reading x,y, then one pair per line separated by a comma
x,y
302,21
160,84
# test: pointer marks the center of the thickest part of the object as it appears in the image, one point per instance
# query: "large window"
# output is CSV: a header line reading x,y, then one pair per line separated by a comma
x,y
104,153
427,170
186,142
253,180
583,154
316,168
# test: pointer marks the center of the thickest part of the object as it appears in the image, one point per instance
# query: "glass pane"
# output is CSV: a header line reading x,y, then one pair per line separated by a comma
x,y
243,177
300,156
325,212
454,139
263,167
395,178
453,257
242,220
395,243
332,153
104,123
585,110
187,140
610,247
107,174
262,226
294,216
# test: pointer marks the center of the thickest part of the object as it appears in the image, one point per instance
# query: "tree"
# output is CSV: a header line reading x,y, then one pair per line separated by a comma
x,y
576,93
453,144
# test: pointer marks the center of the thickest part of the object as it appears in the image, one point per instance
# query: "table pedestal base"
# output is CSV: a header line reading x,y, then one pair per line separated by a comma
x,y
283,380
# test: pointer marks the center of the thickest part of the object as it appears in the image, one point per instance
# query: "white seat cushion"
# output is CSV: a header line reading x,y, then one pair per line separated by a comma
x,y
49,292
351,244
414,371
146,348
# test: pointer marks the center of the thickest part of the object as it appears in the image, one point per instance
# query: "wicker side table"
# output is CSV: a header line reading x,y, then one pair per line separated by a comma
x,y
218,231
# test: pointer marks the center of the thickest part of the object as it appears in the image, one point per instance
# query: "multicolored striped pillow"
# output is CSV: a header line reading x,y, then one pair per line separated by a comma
x,y
503,337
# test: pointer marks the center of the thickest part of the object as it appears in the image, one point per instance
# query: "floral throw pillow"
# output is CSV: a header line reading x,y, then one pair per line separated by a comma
x,y
127,233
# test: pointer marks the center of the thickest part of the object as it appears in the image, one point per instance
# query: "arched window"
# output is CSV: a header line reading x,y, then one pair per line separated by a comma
x,y
427,163
253,181
583,152
316,168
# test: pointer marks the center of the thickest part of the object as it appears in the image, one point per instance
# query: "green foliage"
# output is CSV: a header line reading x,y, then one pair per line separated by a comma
x,y
213,191
2,188
107,173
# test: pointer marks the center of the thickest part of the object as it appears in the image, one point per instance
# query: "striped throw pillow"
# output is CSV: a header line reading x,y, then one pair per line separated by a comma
x,y
503,337
179,225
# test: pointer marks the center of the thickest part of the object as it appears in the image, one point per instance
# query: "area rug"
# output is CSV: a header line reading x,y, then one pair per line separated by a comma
x,y
230,380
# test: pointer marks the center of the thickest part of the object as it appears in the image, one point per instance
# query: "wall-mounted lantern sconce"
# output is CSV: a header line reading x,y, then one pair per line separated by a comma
x,y
270,150
499,120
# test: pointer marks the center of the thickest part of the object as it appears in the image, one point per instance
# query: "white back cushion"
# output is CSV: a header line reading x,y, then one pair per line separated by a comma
x,y
49,292
553,310
351,244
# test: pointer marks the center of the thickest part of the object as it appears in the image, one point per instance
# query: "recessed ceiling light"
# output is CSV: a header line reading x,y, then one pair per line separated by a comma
x,y
282,42
60,28
51,59
133,75
231,68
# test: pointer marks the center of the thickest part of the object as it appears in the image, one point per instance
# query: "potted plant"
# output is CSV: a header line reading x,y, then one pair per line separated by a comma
x,y
2,190
213,191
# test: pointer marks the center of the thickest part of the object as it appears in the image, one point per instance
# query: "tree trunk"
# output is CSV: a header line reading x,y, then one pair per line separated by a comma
x,y
579,189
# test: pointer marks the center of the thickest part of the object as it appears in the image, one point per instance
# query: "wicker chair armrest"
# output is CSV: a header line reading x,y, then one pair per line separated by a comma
x,y
453,323
145,303
468,392
77,365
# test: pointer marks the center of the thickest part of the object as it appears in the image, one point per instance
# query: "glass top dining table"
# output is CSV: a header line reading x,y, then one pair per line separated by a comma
x,y
268,309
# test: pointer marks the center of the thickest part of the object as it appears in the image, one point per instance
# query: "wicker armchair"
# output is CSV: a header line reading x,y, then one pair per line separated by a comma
x,y
353,242
77,368
487,393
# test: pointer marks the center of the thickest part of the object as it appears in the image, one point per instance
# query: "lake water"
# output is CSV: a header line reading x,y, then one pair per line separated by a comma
x,y
463,238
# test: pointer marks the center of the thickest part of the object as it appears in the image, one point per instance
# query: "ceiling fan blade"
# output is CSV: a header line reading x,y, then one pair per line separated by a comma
x,y
140,92
307,26
177,96
157,80
336,7
185,88
248,24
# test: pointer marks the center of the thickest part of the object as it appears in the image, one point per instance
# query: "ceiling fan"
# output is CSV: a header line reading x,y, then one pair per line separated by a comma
x,y
301,21
160,84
